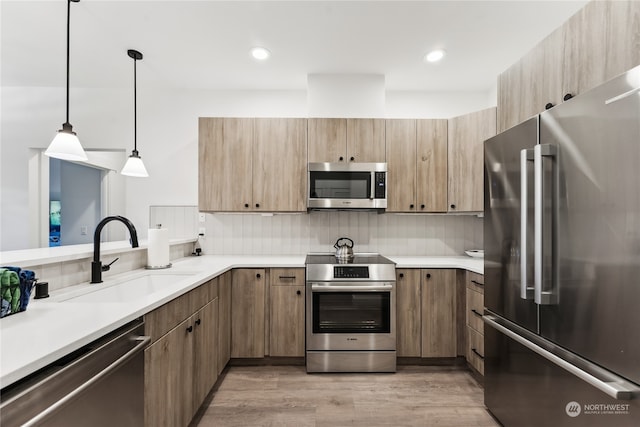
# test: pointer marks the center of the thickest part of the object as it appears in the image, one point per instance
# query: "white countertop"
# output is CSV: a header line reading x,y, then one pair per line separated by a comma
x,y
49,329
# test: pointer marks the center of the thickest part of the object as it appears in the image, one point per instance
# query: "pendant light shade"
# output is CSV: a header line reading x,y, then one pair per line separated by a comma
x,y
134,165
65,144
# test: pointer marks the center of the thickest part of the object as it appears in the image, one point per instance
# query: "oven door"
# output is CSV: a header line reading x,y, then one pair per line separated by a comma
x,y
351,316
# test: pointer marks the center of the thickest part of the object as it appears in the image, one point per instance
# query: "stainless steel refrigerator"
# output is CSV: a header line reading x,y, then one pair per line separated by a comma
x,y
562,263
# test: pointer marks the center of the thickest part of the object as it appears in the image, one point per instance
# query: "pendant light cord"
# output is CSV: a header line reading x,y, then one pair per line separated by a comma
x,y
135,107
68,37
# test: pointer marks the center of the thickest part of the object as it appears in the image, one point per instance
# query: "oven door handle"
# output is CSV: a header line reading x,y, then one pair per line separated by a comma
x,y
348,287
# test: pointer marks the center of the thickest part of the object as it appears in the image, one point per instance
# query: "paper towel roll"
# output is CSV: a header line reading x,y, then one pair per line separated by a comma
x,y
158,248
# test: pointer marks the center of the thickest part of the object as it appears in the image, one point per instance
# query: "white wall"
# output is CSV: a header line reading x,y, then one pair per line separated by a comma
x,y
167,136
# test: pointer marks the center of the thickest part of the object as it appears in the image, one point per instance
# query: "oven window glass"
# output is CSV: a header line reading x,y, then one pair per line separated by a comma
x,y
351,312
340,185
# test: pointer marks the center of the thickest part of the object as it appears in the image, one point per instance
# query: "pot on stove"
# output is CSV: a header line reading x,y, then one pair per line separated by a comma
x,y
344,251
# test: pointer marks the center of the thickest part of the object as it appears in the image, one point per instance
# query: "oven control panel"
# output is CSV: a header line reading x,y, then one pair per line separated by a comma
x,y
350,272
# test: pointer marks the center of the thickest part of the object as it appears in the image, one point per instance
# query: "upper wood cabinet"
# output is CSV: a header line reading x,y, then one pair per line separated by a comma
x,y
248,164
466,159
417,165
346,140
599,42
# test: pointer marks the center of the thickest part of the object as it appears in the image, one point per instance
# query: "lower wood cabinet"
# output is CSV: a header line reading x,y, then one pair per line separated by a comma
x,y
248,313
286,312
439,313
475,325
181,363
224,320
408,313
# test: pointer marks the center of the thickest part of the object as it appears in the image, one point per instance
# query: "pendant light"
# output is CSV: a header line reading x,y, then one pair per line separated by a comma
x,y
134,165
65,144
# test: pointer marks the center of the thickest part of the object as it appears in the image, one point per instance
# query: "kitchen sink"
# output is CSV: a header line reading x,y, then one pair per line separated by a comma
x,y
125,290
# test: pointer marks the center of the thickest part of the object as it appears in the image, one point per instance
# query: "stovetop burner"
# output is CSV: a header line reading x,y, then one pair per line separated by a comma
x,y
361,259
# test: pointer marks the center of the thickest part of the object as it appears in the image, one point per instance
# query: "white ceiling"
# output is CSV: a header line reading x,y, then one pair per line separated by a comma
x,y
205,44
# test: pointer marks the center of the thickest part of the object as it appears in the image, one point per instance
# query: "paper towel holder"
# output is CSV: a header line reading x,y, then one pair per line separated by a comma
x,y
158,267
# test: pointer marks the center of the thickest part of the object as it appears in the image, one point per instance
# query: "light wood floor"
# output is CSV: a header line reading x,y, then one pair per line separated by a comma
x,y
288,396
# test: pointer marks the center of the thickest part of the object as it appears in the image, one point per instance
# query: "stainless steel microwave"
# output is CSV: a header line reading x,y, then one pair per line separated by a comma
x,y
347,186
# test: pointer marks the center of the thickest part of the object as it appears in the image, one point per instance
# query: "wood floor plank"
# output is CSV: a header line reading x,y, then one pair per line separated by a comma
x,y
288,396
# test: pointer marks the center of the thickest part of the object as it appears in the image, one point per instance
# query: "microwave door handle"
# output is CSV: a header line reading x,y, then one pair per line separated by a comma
x,y
526,291
372,189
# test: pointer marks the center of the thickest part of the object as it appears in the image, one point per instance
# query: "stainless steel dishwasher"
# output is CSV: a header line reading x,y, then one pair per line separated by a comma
x,y
101,384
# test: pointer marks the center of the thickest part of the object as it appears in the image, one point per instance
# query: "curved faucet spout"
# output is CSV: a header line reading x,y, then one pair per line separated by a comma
x,y
96,265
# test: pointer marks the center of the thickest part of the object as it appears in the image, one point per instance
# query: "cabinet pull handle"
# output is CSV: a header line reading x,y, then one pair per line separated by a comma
x,y
548,106
341,158
258,275
298,292
198,322
190,329
422,206
478,354
428,275
287,277
401,275
257,205
352,158
567,97
477,283
453,206
246,205
411,206
476,313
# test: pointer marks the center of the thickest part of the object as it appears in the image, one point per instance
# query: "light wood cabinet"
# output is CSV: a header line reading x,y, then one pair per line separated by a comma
x,y
280,165
346,140
417,165
466,136
248,164
286,312
181,362
475,325
597,43
438,302
225,164
224,321
408,313
248,313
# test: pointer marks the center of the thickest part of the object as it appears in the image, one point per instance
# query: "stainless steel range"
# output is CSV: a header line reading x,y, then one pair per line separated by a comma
x,y
351,313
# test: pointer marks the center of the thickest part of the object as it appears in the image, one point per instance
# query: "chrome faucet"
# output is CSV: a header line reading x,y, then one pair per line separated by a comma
x,y
96,266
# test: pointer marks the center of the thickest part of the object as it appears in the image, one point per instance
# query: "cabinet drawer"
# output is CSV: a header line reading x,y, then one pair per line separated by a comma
x,y
286,277
475,349
475,281
475,308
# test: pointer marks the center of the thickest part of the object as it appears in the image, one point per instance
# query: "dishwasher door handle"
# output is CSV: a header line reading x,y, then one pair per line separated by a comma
x,y
143,341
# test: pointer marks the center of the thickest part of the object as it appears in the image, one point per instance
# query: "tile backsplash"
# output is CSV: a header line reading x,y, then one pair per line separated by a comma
x,y
389,234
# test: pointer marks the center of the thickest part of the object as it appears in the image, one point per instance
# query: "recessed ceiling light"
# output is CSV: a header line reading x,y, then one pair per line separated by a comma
x,y
260,53
434,55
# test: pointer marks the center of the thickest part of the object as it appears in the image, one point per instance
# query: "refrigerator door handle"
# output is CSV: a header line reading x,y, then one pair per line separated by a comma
x,y
526,291
613,386
545,295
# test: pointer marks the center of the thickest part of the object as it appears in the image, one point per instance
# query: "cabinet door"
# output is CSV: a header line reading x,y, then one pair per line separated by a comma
x,y
623,37
247,313
205,358
408,313
224,321
439,313
431,167
168,378
327,140
280,165
287,321
224,164
466,159
401,163
366,141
